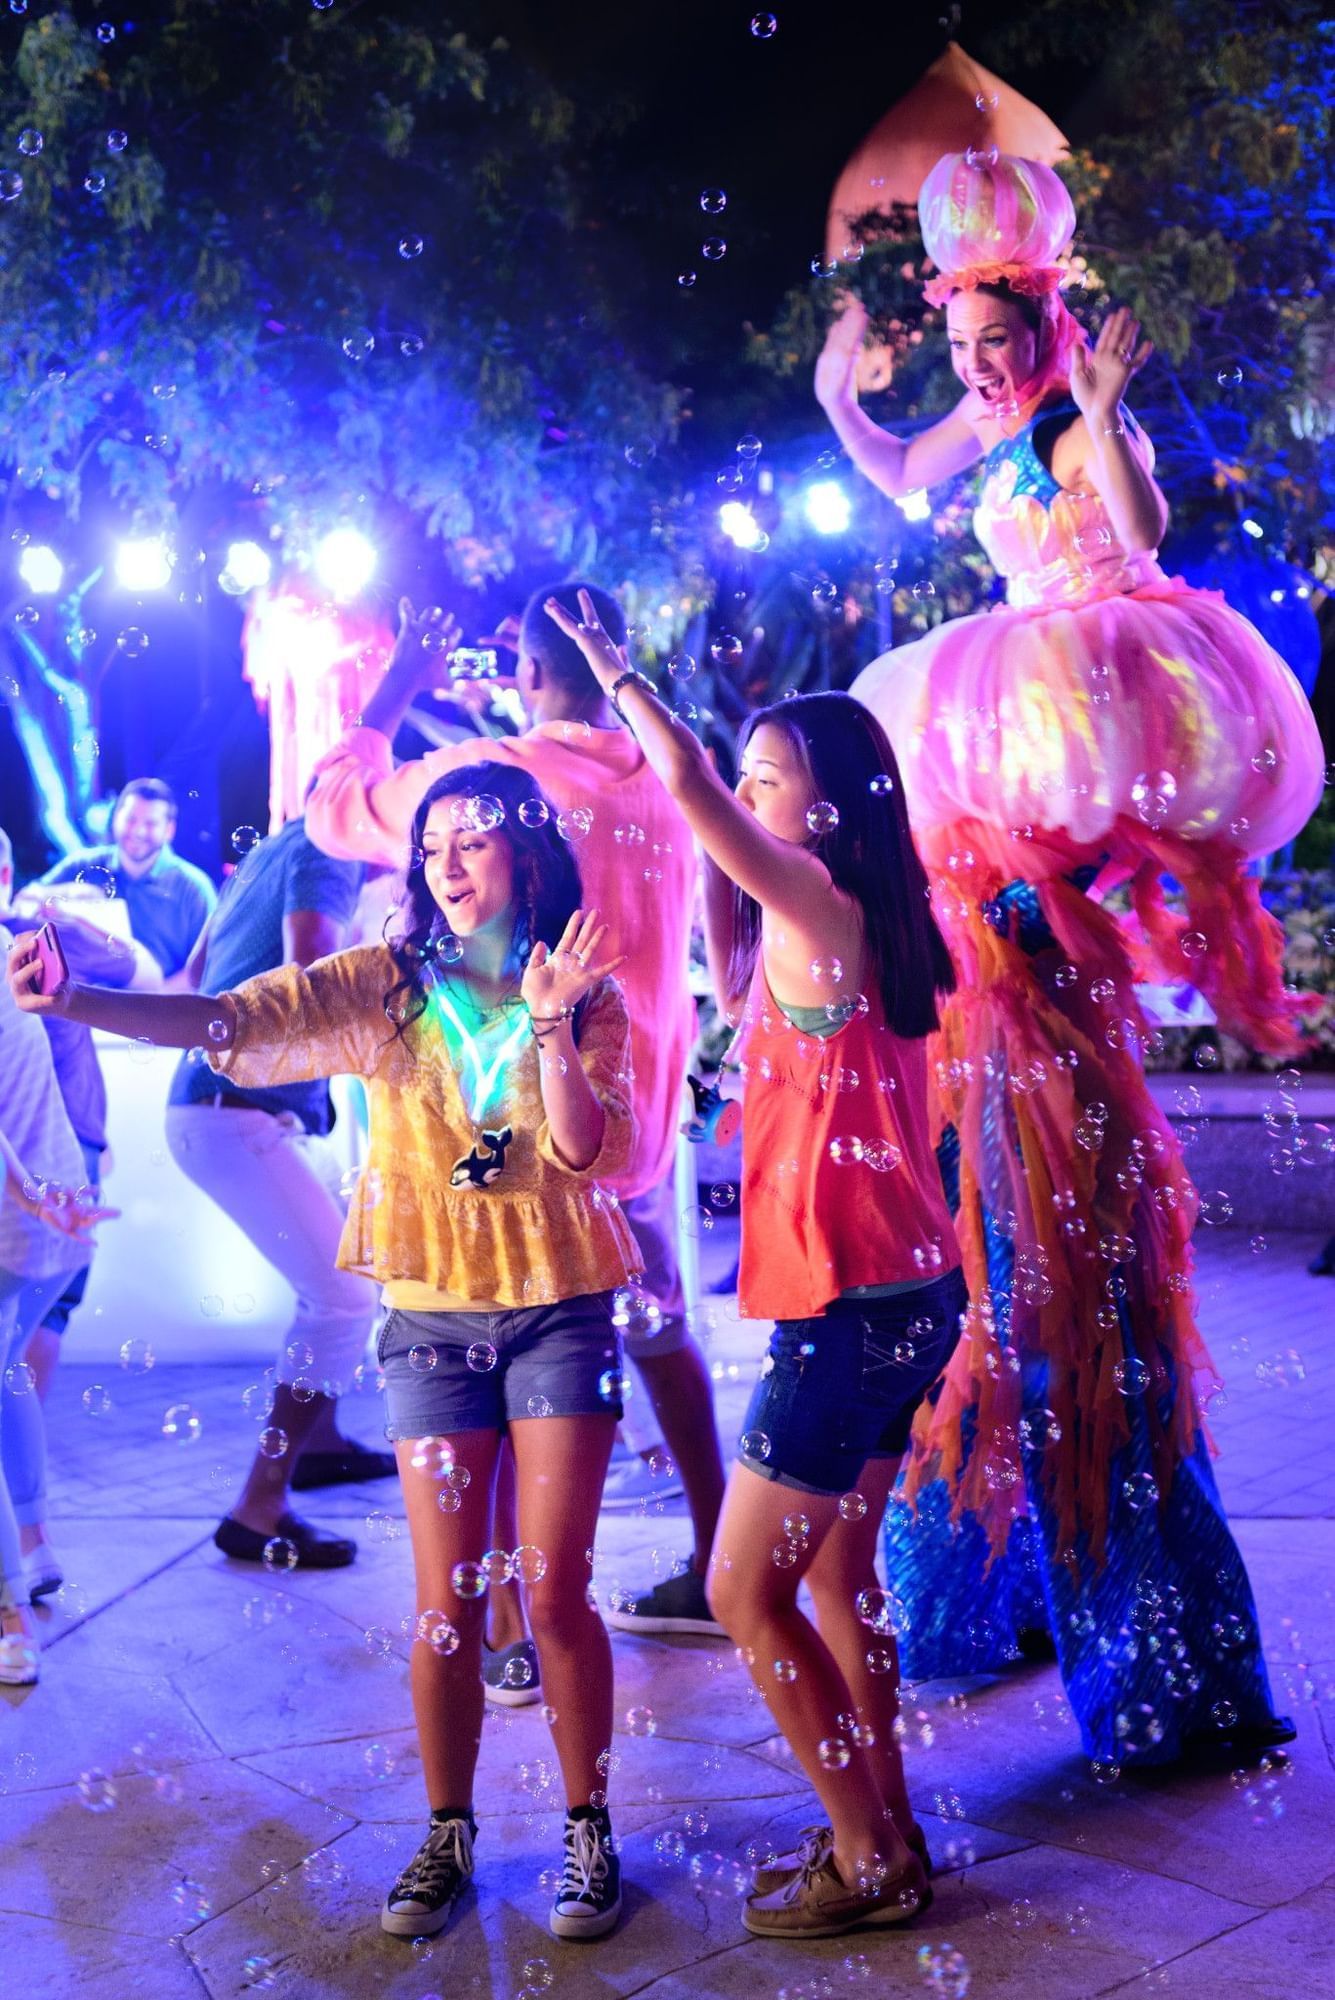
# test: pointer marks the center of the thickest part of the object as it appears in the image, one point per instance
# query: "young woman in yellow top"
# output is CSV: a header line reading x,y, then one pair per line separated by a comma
x,y
495,1049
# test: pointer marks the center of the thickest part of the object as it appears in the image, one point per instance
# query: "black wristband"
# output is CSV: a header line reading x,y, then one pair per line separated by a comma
x,y
631,674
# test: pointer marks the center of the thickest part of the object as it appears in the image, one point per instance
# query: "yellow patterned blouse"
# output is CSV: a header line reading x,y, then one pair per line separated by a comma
x,y
463,1192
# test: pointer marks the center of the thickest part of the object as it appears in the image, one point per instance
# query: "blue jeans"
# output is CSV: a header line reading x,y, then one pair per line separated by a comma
x,y
23,1304
841,1388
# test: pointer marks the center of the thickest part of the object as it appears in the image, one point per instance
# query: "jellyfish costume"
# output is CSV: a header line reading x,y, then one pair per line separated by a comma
x,y
1105,727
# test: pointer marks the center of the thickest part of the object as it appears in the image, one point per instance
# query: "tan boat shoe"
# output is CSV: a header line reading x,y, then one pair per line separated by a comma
x,y
773,1874
816,1902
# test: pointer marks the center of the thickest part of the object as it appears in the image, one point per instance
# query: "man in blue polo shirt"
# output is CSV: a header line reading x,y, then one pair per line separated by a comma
x,y
168,899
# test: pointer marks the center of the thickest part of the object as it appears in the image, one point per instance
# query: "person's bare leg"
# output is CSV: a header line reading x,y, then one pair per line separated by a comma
x,y
264,1497
844,1567
41,1354
447,1686
505,1608
682,1394
560,1465
756,1602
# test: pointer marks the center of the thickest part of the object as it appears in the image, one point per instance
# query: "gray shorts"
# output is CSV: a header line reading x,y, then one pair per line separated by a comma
x,y
476,1371
653,1224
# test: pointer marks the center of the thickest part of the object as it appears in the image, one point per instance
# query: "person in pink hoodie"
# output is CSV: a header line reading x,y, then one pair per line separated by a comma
x,y
637,858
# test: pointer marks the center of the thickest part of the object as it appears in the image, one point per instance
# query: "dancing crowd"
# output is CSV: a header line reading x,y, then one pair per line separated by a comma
x,y
960,1206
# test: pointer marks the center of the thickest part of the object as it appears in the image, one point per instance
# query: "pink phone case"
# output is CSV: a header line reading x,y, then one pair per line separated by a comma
x,y
51,959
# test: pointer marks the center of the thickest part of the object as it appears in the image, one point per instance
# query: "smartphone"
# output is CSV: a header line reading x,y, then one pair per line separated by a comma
x,y
473,663
51,959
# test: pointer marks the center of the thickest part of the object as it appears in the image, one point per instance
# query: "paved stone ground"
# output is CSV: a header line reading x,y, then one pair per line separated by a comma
x,y
216,1778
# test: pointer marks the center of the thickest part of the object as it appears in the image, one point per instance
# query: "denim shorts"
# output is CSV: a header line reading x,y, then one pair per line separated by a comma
x,y
842,1388
475,1371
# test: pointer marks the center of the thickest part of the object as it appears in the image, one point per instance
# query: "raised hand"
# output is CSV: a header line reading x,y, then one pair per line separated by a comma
x,y
24,969
606,660
1099,375
425,640
555,980
837,365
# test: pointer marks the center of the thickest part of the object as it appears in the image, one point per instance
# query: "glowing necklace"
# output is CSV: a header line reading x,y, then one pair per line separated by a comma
x,y
486,1075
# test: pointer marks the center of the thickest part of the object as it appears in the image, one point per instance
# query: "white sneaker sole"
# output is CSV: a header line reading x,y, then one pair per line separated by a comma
x,y
585,1927
409,1924
630,1621
507,1697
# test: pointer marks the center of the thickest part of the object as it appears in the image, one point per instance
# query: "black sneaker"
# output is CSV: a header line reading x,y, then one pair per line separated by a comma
x,y
588,1901
678,1604
419,1903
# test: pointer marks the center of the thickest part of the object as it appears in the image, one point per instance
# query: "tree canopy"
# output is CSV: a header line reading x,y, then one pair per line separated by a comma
x,y
329,262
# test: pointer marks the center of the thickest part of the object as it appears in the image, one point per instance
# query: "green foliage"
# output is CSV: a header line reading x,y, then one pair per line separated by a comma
x,y
175,313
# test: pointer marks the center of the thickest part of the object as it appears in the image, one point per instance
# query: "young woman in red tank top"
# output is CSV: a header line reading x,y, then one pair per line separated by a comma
x,y
822,945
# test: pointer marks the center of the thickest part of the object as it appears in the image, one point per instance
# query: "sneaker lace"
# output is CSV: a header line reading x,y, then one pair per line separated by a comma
x,y
447,1848
586,1863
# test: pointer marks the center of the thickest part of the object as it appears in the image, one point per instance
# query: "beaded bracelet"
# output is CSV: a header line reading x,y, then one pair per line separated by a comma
x,y
631,674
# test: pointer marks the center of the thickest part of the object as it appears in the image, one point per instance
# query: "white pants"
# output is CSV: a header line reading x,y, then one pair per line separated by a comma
x,y
280,1185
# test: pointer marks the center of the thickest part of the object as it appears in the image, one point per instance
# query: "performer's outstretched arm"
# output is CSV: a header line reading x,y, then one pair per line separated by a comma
x,y
896,465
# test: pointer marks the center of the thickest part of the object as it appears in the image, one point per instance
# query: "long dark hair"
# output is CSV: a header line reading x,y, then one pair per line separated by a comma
x,y
548,890
869,852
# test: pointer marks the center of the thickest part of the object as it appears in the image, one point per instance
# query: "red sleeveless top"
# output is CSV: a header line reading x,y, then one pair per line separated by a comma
x,y
840,1183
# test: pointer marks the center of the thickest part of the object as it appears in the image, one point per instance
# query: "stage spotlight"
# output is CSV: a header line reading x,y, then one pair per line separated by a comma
x,y
828,508
345,562
248,567
740,525
42,570
915,506
144,565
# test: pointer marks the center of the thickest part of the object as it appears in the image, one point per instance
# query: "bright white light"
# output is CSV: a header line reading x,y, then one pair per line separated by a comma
x,y
144,565
345,562
42,571
828,507
1253,528
740,525
248,567
916,506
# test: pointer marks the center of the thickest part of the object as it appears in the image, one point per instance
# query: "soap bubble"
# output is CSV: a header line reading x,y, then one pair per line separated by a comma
x,y
117,141
410,246
714,247
852,1507
685,280
30,142
533,812
822,818
133,642
244,838
755,1444
422,1358
280,1554
749,446
1229,377
481,1357
20,1380
681,666
763,26
181,1424
273,1441
639,452
1132,1376
713,201
641,1722
726,650
846,1151
96,1400
11,186
575,825
834,1753
97,1791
